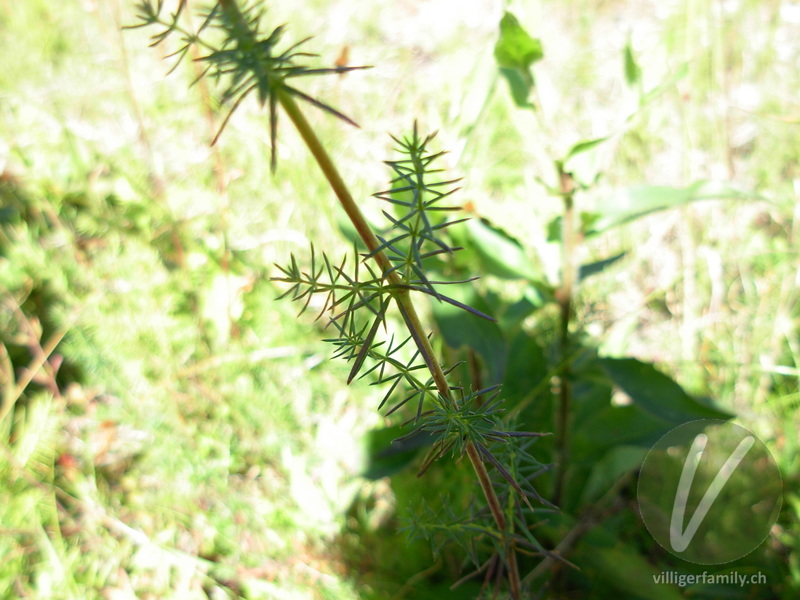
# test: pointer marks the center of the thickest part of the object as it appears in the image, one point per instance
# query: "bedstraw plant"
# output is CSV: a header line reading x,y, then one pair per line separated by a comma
x,y
388,272
499,385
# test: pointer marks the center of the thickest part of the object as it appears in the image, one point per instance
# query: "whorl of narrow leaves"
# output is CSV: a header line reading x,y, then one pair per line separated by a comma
x,y
444,526
521,466
246,59
344,294
358,344
356,300
473,419
472,530
356,306
416,192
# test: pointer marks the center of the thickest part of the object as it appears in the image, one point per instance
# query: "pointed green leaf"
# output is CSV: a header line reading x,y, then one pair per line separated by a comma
x,y
532,299
607,470
596,267
598,425
520,84
365,347
632,71
515,52
613,426
635,202
554,229
656,393
584,146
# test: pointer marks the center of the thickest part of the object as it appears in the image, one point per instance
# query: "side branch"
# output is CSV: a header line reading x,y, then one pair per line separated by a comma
x,y
402,296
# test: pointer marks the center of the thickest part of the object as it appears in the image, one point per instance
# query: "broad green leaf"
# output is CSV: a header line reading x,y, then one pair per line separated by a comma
x,y
515,52
526,370
598,426
596,267
460,329
588,219
517,312
516,49
635,202
613,426
533,298
590,390
607,470
600,429
633,72
656,393
500,254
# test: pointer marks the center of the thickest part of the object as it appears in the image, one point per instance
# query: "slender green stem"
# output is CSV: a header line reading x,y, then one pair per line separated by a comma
x,y
564,297
335,180
407,310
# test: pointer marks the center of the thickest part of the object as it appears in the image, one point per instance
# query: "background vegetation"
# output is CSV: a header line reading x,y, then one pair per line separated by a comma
x,y
168,430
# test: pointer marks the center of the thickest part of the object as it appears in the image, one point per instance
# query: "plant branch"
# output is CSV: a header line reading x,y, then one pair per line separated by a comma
x,y
407,310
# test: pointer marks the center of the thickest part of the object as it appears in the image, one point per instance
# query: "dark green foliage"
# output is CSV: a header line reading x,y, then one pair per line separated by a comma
x,y
417,226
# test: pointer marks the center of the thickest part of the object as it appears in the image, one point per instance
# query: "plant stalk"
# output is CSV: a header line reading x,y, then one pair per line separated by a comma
x,y
402,296
564,297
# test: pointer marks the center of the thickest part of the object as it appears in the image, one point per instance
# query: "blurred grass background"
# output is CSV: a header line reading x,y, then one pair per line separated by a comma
x,y
169,431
